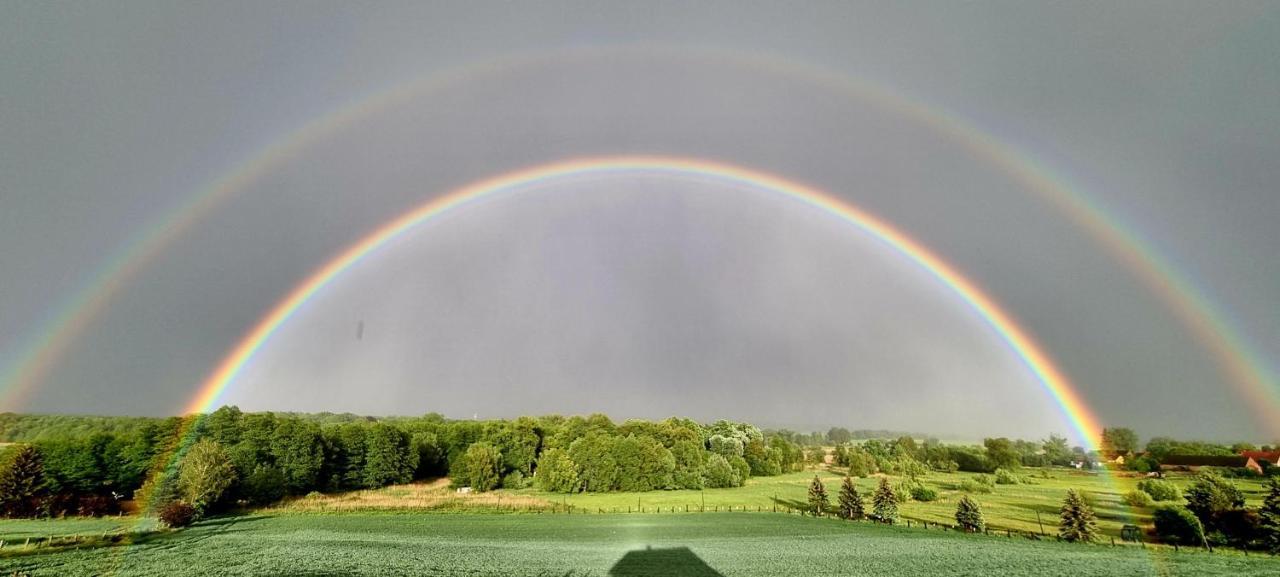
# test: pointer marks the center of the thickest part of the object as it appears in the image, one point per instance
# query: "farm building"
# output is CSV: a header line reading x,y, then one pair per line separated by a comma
x,y
1195,462
1271,458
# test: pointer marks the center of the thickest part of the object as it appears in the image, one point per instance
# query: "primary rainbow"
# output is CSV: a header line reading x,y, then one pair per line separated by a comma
x,y
1053,380
1246,369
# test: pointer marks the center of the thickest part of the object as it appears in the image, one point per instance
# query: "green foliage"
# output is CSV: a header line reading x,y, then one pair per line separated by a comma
x,y
909,467
295,446
691,464
1211,496
720,473
742,469
388,456
643,464
725,446
850,505
21,482
479,467
762,459
514,480
1006,477
974,486
860,463
1269,516
1077,519
969,515
263,485
884,504
1001,453
1138,499
1119,441
818,501
1159,489
1056,451
206,472
1175,524
597,466
944,465
557,473
923,494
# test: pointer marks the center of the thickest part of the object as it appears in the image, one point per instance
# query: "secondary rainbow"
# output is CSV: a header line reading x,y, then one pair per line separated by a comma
x,y
1023,345
1243,365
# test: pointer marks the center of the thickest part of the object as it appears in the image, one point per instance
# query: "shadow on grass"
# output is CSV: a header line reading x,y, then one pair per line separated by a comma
x,y
163,538
672,562
790,503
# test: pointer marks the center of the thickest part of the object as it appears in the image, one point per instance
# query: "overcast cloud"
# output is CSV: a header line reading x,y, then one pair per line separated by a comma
x,y
646,296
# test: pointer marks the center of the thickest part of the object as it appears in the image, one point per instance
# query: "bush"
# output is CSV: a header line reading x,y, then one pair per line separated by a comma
x,y
264,485
1177,525
1138,499
923,494
972,486
1006,477
985,480
944,465
177,514
720,473
478,467
1160,490
96,506
514,480
557,473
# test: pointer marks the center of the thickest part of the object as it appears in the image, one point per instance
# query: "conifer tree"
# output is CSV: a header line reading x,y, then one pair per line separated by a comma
x,y
850,502
1077,519
969,515
818,501
885,503
21,482
1270,516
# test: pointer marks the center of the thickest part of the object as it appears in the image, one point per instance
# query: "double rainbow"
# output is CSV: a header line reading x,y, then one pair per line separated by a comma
x,y
1019,341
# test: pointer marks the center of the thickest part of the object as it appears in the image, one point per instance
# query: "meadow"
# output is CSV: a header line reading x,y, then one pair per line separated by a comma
x,y
670,544
1006,507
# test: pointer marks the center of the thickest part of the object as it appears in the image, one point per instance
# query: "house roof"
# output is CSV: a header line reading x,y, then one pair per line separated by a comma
x,y
1271,456
1206,460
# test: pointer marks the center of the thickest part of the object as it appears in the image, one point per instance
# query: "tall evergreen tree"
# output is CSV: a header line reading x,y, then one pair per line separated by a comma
x,y
850,501
969,515
21,482
885,503
818,501
1078,522
1270,514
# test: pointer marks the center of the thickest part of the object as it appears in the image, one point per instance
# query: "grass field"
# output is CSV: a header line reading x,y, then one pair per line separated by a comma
x,y
1012,507
703,545
1007,507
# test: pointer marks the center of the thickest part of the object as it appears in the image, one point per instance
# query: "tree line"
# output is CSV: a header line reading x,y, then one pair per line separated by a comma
x,y
229,457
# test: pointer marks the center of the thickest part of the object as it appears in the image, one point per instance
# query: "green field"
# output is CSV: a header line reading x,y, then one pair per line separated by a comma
x,y
727,544
1012,507
1029,507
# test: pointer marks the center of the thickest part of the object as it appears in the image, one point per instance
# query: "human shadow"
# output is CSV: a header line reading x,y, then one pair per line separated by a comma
x,y
669,562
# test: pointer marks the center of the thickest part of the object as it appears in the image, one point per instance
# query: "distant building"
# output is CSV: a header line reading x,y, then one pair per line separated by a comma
x,y
1272,458
1196,462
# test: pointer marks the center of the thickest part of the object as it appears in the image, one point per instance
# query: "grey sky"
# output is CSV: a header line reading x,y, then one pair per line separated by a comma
x,y
646,297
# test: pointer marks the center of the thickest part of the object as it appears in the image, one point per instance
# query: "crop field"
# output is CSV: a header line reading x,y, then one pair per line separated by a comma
x,y
705,545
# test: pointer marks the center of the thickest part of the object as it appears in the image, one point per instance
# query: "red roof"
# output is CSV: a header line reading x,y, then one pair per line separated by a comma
x,y
1272,456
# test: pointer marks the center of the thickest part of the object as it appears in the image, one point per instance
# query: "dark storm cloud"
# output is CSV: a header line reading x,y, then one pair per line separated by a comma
x,y
1164,112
